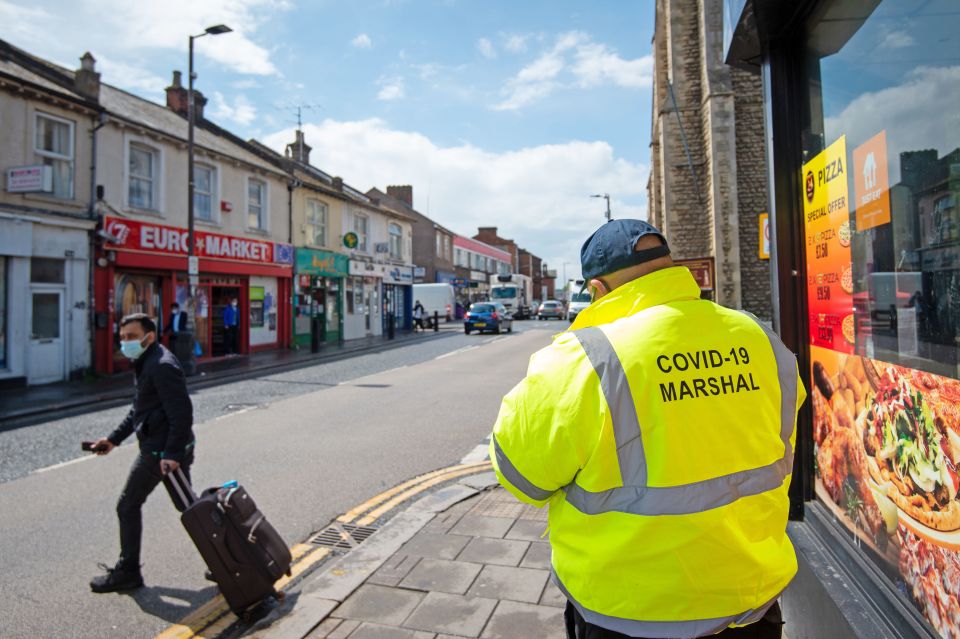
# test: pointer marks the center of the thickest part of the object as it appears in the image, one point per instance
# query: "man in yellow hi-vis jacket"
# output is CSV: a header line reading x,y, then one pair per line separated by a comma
x,y
660,430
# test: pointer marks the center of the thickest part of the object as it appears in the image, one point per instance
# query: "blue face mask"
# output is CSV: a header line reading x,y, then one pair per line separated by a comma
x,y
132,349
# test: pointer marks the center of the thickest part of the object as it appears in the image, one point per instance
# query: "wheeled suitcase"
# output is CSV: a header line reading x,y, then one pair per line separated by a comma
x,y
243,551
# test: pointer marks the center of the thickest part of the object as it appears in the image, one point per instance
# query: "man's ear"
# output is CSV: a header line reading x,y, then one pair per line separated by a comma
x,y
600,287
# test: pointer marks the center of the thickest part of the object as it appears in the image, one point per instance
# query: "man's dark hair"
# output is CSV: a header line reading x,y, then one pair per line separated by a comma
x,y
174,305
148,325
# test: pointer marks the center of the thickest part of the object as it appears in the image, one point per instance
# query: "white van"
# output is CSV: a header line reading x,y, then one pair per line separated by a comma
x,y
576,301
439,298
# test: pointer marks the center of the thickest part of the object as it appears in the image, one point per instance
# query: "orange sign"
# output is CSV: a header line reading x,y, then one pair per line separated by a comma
x,y
870,183
826,226
764,236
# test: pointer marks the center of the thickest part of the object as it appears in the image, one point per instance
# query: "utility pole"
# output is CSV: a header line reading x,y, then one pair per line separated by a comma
x,y
605,196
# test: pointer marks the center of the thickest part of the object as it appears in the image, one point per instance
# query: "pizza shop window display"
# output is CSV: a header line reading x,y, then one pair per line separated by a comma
x,y
880,184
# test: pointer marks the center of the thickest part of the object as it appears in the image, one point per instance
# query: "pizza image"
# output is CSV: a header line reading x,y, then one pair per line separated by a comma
x,y
849,329
846,280
911,453
843,234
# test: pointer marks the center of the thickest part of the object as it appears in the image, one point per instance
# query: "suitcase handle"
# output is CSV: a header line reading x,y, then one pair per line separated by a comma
x,y
181,485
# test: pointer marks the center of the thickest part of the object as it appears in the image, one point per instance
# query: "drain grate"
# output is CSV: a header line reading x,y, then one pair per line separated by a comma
x,y
342,536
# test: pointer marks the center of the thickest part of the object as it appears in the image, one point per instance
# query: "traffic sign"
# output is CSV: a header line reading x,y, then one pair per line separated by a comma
x,y
193,265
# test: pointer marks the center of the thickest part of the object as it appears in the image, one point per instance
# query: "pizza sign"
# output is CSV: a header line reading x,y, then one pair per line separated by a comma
x,y
135,235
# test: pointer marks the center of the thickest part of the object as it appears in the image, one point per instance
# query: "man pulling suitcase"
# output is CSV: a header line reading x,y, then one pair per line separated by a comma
x,y
162,418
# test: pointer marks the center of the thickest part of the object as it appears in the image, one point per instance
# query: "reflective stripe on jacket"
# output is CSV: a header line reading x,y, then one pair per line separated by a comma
x,y
660,429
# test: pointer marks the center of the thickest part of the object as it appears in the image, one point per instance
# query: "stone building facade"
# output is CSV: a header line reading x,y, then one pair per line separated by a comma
x,y
708,180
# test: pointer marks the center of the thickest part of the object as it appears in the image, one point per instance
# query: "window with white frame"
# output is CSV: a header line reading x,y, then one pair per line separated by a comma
x,y
256,204
439,245
316,223
396,240
54,148
143,177
204,192
446,247
361,226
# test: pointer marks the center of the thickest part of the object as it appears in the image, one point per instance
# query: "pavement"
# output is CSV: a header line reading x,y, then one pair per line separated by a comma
x,y
466,561
23,406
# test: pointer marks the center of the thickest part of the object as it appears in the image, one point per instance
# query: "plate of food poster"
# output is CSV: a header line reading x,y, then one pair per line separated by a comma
x,y
913,449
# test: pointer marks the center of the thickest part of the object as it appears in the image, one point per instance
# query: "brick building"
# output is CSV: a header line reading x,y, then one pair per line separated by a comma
x,y
432,243
708,175
524,262
488,235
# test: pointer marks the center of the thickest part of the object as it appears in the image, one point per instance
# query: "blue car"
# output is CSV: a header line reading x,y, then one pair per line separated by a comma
x,y
487,316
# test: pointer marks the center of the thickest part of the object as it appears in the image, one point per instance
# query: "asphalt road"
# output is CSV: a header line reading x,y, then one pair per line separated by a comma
x,y
308,444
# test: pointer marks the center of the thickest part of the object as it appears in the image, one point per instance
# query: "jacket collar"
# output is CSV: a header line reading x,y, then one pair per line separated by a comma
x,y
147,354
660,287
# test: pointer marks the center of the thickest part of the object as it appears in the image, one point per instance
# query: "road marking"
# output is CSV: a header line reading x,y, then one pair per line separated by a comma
x,y
66,463
458,351
478,454
212,618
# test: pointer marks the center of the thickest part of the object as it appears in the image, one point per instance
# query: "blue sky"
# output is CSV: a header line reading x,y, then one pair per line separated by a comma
x,y
499,113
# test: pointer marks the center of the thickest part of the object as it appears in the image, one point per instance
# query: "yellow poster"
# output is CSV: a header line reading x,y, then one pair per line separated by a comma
x,y
826,221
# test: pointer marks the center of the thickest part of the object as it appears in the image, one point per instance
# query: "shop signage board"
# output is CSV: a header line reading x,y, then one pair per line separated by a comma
x,y
827,235
351,240
134,235
30,179
367,269
871,185
398,275
323,263
702,270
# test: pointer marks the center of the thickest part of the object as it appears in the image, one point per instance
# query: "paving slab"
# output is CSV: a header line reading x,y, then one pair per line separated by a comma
x,y
393,570
444,498
323,631
513,619
552,596
379,604
538,556
515,584
435,545
503,552
528,530
343,631
375,631
479,526
442,575
452,614
481,481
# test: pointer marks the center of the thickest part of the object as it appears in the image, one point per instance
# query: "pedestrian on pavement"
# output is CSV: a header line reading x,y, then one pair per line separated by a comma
x,y
162,418
177,324
660,430
231,325
418,316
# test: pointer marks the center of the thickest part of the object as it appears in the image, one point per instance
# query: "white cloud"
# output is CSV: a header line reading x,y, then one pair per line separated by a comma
x,y
515,42
241,112
247,83
390,89
362,41
130,77
486,48
23,23
574,61
914,114
536,195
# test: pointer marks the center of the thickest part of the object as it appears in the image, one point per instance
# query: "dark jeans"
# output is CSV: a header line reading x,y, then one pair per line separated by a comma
x,y
770,627
143,478
229,339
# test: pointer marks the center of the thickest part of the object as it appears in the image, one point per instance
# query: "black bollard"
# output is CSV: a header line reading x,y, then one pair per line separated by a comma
x,y
316,328
391,320
436,321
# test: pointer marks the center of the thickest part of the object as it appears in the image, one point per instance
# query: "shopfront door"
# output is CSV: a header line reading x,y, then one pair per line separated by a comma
x,y
224,341
45,354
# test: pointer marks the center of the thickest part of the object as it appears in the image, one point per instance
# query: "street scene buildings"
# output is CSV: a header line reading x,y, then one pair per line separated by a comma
x,y
351,334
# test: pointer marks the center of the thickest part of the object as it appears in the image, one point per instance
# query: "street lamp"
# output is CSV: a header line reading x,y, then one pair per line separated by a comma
x,y
193,266
605,196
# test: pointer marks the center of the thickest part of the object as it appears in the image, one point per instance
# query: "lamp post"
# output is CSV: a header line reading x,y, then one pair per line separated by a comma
x,y
565,281
605,196
193,268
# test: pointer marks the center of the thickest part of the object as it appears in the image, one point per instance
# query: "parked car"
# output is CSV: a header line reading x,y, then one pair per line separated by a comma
x,y
487,316
551,309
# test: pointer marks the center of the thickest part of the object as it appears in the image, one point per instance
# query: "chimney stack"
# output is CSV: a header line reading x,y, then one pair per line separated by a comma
x,y
338,183
299,150
86,80
404,193
177,99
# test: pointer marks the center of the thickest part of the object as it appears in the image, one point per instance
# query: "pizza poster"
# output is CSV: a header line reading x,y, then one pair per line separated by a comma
x,y
827,234
887,453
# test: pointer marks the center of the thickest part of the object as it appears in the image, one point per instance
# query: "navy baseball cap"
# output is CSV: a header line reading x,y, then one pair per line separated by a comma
x,y
611,248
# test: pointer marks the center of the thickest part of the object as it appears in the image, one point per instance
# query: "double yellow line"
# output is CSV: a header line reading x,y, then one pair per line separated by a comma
x,y
214,617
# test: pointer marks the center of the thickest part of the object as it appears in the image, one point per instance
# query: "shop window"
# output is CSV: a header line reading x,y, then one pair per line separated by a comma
x,y
45,270
204,192
54,148
3,313
361,225
396,240
256,204
143,177
316,223
879,185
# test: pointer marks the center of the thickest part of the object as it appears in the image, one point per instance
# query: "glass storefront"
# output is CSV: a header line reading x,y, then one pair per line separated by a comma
x,y
880,183
3,312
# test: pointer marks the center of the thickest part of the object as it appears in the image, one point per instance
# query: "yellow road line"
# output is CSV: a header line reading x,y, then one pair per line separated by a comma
x,y
212,618
419,488
349,516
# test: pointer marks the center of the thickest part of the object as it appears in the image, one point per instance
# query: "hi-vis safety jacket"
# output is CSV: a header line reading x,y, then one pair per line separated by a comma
x,y
660,429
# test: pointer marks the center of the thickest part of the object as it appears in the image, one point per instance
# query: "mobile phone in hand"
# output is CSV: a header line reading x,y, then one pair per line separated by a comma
x,y
90,447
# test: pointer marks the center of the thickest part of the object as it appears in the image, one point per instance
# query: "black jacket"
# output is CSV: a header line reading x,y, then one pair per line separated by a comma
x,y
181,323
162,413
